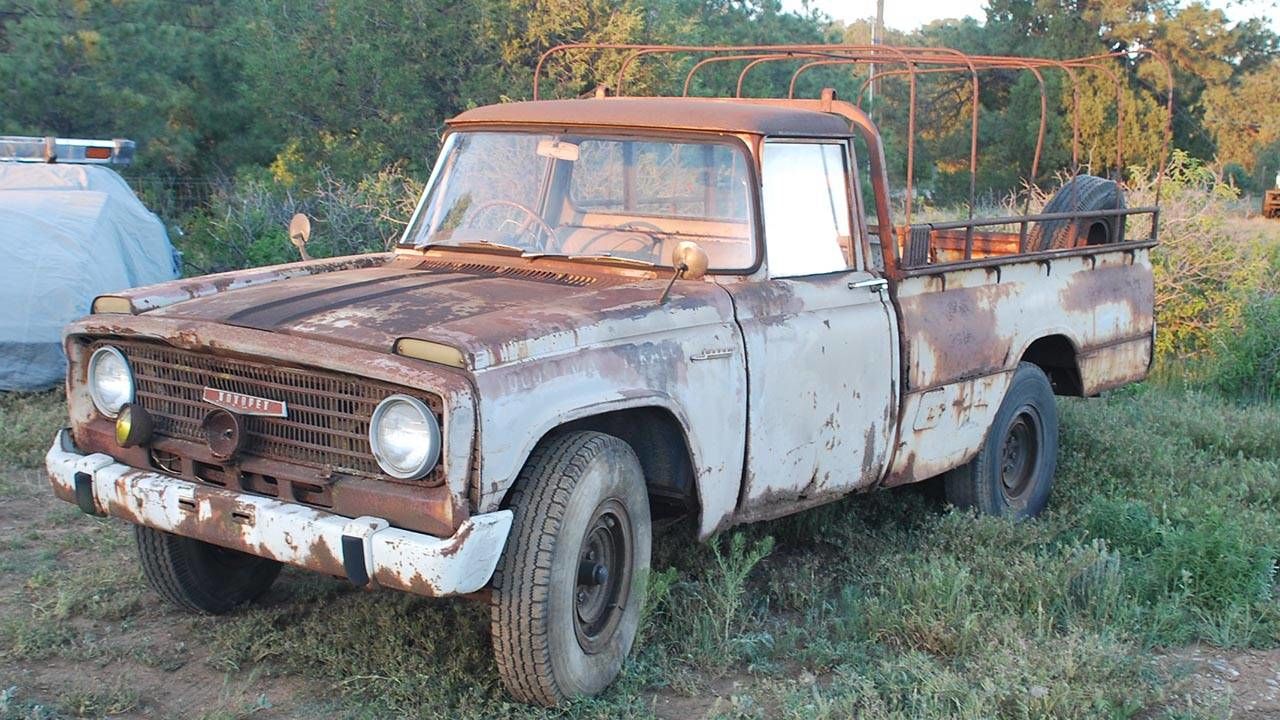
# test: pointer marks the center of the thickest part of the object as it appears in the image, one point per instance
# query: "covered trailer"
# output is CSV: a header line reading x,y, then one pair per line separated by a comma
x,y
68,232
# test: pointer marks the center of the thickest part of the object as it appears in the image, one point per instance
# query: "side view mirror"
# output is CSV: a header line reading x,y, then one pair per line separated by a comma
x,y
689,261
299,233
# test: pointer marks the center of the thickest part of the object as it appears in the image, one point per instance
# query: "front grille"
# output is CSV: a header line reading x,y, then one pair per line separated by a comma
x,y
328,421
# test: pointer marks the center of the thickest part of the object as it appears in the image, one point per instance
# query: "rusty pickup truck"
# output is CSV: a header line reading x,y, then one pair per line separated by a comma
x,y
604,312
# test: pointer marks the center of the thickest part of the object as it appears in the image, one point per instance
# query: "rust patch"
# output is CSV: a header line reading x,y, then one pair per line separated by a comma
x,y
1111,283
320,557
455,543
420,585
954,333
903,475
870,468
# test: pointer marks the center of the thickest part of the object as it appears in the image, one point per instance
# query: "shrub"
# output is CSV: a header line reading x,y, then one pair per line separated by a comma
x,y
705,616
246,222
1206,268
1248,358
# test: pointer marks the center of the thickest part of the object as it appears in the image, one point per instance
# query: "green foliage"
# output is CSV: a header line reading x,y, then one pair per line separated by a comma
x,y
1161,532
246,223
1189,506
705,615
1209,266
1211,564
211,87
363,86
1249,145
1248,356
158,72
1126,525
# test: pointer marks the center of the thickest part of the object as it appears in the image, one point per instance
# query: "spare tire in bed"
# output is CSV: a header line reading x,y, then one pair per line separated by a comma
x,y
1082,193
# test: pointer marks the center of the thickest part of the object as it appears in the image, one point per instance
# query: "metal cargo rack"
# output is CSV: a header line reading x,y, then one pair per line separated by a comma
x,y
874,64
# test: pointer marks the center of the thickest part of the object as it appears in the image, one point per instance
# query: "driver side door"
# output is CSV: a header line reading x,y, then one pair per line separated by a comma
x,y
820,339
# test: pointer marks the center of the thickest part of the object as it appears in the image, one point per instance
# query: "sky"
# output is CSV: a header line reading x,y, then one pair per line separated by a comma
x,y
910,14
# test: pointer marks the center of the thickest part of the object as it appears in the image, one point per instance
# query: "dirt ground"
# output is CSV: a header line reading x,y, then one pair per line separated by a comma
x,y
119,651
1247,683
93,641
140,658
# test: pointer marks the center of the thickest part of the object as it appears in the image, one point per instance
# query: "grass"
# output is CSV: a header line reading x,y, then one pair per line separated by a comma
x,y
1161,532
29,423
80,700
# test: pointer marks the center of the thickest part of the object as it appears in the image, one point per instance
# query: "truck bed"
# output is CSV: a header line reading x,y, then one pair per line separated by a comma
x,y
1084,312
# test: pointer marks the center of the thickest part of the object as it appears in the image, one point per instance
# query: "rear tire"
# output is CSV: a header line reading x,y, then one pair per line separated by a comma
x,y
198,576
562,627
1012,474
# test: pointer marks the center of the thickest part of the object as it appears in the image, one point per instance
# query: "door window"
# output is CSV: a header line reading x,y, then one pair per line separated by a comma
x,y
806,208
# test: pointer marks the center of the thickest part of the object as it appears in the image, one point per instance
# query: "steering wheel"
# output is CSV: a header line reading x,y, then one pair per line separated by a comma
x,y
647,232
544,230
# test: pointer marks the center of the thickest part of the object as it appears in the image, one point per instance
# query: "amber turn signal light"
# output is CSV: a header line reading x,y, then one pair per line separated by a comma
x,y
133,426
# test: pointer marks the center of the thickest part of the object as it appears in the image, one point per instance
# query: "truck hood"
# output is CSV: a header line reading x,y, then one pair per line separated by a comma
x,y
493,313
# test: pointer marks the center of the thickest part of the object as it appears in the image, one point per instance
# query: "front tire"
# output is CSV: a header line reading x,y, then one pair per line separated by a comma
x,y
1012,474
567,593
198,576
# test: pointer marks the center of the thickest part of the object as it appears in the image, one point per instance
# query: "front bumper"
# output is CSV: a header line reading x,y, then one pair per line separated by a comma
x,y
365,550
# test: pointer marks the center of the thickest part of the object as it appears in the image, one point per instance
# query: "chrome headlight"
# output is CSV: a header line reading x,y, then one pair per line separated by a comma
x,y
110,380
405,437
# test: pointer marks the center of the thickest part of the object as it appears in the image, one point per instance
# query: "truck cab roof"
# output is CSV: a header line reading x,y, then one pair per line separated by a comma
x,y
761,117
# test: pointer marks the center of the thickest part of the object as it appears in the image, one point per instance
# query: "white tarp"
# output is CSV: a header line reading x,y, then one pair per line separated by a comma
x,y
67,234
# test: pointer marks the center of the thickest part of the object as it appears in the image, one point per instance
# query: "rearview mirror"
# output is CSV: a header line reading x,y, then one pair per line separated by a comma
x,y
558,150
299,233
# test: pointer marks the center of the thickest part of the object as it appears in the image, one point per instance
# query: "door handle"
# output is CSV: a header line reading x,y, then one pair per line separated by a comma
x,y
712,354
875,285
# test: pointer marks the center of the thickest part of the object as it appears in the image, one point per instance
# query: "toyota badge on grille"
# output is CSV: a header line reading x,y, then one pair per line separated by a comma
x,y
244,404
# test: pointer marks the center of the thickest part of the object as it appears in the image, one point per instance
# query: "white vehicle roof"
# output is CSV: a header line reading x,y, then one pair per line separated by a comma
x,y
67,234
21,148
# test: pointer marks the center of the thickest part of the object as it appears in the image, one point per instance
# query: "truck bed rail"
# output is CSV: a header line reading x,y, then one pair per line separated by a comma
x,y
927,247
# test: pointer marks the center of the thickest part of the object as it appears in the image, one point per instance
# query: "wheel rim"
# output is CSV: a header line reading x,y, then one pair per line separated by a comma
x,y
603,578
1019,454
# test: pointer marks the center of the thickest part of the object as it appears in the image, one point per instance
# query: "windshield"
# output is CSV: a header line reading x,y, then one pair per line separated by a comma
x,y
589,195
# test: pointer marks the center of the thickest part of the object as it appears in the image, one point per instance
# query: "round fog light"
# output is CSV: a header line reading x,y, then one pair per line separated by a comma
x,y
133,426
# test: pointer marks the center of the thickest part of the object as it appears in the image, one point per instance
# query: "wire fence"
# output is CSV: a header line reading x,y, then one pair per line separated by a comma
x,y
173,198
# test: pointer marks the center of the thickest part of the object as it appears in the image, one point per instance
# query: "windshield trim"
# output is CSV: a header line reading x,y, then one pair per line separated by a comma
x,y
747,144
437,169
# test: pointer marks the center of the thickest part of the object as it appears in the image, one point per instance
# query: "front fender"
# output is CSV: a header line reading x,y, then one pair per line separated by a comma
x,y
520,403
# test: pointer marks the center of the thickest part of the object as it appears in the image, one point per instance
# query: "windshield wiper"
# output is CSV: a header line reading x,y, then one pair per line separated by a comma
x,y
615,260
